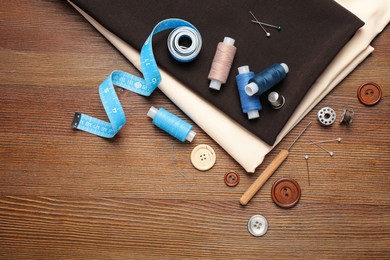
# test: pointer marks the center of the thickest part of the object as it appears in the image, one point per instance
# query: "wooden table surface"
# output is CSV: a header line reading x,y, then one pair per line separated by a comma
x,y
68,194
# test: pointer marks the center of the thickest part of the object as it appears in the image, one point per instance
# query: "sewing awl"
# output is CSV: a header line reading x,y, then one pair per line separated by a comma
x,y
266,174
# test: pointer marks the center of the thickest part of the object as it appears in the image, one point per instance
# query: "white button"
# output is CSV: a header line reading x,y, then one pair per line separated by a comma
x,y
257,225
203,157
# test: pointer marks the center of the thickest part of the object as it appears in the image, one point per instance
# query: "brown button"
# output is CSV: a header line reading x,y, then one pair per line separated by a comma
x,y
369,93
286,192
231,179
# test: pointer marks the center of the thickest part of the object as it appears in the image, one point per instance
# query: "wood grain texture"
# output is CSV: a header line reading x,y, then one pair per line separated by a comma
x,y
66,194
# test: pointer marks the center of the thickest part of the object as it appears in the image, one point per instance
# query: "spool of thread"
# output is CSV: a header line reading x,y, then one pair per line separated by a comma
x,y
347,116
276,100
178,50
171,124
222,63
266,79
249,105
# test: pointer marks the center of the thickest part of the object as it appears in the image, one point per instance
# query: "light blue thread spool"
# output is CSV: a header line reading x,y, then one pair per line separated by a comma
x,y
171,124
266,79
249,104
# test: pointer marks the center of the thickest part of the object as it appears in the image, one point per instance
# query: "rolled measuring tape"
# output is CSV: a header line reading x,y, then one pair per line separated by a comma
x,y
142,86
179,50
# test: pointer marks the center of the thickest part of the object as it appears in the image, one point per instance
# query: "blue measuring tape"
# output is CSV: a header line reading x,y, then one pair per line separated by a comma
x,y
143,86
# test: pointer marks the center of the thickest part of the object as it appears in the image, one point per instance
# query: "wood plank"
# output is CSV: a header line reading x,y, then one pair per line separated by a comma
x,y
68,194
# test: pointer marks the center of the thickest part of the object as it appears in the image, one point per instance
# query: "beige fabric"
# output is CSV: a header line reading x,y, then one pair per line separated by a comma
x,y
248,150
376,15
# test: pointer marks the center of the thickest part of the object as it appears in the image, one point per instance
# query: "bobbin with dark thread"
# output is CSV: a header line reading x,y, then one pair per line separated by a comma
x,y
347,116
276,100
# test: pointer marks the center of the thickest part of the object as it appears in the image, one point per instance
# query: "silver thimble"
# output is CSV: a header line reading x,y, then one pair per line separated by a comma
x,y
276,100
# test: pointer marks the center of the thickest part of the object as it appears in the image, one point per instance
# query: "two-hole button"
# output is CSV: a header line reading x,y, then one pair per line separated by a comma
x,y
286,192
369,93
231,179
203,157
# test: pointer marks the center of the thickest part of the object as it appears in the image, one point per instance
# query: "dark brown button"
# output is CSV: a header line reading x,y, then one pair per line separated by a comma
x,y
286,192
231,179
369,93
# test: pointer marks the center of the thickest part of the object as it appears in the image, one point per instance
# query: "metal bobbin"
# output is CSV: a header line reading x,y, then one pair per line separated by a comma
x,y
326,116
347,116
276,100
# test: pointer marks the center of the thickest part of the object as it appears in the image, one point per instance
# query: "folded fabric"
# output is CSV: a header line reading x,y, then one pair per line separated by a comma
x,y
307,42
245,148
376,15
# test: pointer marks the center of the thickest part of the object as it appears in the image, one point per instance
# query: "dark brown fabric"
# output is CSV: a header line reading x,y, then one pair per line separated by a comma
x,y
313,31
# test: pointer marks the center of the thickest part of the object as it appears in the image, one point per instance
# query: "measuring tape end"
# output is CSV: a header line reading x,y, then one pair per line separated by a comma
x,y
76,120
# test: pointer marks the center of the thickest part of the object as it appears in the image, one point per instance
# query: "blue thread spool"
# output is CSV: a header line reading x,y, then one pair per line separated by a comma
x,y
249,105
266,79
171,124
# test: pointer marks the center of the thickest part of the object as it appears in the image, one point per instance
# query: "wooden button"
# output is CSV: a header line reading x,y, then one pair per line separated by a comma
x,y
369,93
203,157
286,192
231,179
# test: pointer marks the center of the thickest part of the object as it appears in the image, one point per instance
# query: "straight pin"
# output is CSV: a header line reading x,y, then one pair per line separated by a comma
x,y
307,167
262,27
277,27
329,152
328,141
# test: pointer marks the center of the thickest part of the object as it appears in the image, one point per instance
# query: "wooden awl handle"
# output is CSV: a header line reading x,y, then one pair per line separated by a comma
x,y
264,176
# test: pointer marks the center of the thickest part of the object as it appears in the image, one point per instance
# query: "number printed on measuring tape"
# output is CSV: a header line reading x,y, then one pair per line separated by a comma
x,y
142,86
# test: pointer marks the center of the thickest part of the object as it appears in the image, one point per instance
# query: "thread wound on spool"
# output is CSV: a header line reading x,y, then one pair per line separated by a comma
x,y
222,63
347,116
172,124
266,79
249,105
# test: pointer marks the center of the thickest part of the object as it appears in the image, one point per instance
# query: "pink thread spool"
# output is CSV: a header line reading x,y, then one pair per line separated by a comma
x,y
222,63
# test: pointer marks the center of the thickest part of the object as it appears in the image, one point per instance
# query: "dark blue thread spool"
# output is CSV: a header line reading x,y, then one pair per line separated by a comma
x,y
266,79
250,105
